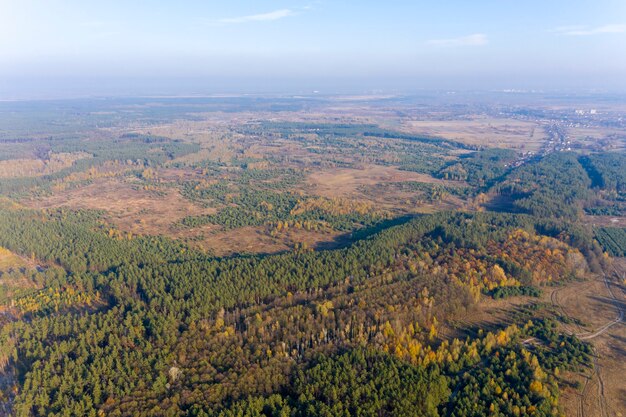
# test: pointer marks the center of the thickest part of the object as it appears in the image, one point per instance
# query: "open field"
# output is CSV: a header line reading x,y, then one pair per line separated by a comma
x,y
55,162
13,276
10,260
608,221
382,186
484,131
255,240
598,138
596,303
344,182
128,206
132,209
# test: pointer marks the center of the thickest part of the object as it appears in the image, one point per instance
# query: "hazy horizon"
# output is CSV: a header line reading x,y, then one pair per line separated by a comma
x,y
71,48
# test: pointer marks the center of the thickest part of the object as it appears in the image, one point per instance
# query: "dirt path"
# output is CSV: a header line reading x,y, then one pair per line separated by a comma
x,y
595,302
618,319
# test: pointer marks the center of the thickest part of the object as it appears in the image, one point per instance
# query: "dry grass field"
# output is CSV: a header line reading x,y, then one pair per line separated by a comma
x,y
13,279
256,240
9,260
483,131
14,168
344,182
129,207
141,212
597,304
598,138
375,185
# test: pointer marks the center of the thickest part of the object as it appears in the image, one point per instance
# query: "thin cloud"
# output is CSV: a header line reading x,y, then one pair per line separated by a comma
x,y
100,24
262,17
477,39
588,31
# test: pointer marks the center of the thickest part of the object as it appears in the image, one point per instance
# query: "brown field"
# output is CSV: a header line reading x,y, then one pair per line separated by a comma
x,y
598,138
133,209
358,184
488,315
11,285
9,260
581,300
14,168
218,242
501,133
129,206
255,240
344,182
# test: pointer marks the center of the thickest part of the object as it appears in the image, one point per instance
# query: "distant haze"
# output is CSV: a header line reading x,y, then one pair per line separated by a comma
x,y
57,48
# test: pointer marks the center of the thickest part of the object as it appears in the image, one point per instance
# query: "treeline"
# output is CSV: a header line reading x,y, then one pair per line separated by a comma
x,y
607,171
504,292
554,186
346,130
148,265
79,241
413,138
562,184
242,207
481,168
608,178
431,192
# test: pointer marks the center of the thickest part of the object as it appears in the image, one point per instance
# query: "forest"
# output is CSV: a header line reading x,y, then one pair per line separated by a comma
x,y
278,314
101,318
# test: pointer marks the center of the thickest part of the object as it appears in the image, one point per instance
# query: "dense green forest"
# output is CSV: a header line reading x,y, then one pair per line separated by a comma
x,y
480,168
553,186
612,239
606,170
168,331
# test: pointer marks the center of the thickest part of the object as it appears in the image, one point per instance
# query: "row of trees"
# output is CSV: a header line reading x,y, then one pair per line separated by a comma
x,y
612,239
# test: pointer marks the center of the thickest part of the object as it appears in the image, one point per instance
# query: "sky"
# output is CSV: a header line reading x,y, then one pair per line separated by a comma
x,y
192,46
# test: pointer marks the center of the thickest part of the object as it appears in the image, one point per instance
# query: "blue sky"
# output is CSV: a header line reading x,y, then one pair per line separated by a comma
x,y
286,44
